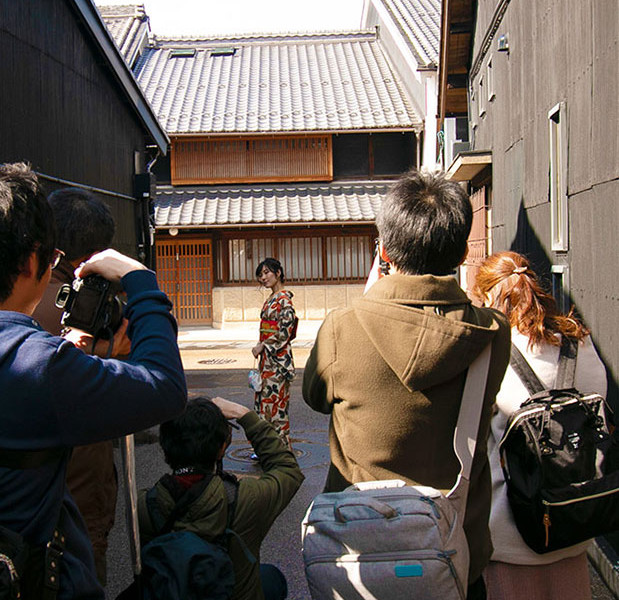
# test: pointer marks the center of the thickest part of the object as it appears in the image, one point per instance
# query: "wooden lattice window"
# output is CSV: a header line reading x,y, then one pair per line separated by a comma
x,y
251,160
317,257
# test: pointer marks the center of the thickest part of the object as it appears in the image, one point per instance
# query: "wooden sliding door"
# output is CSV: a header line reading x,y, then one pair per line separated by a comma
x,y
185,274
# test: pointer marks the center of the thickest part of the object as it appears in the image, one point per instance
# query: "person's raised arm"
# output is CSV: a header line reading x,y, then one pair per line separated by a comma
x,y
110,264
102,399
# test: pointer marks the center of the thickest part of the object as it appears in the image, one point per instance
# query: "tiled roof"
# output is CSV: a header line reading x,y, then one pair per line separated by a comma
x,y
268,204
274,83
129,27
419,21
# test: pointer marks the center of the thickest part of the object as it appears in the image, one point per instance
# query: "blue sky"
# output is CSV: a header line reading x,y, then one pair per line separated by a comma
x,y
193,17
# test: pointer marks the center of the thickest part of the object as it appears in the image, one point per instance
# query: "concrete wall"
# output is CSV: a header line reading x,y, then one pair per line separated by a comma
x,y
235,305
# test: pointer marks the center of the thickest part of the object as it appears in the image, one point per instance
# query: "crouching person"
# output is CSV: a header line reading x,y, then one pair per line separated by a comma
x,y
204,500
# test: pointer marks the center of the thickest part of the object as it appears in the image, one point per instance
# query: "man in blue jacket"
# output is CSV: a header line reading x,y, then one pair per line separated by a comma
x,y
54,396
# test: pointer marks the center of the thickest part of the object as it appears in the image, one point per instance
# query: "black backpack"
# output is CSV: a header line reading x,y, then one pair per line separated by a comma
x,y
180,564
560,462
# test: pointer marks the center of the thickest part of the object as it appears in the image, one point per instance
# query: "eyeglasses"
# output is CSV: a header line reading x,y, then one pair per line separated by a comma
x,y
56,256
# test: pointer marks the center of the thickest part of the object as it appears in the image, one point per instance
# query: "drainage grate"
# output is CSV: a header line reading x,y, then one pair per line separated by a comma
x,y
217,361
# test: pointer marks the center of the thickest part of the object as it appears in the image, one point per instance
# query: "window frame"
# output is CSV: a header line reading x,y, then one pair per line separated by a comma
x,y
558,166
482,97
560,275
490,81
324,235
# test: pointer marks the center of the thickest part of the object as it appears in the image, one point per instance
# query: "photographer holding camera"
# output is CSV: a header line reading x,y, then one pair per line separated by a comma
x,y
55,397
85,226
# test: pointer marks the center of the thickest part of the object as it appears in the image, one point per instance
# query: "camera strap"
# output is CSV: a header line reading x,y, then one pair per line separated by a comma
x,y
110,346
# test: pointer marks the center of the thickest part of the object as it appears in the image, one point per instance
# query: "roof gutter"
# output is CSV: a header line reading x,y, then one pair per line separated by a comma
x,y
94,24
271,225
176,135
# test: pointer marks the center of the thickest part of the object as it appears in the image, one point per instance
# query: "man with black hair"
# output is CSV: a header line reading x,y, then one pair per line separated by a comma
x,y
85,226
55,397
391,369
193,445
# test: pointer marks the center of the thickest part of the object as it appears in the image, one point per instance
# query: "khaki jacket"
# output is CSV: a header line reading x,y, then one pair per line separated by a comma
x,y
391,370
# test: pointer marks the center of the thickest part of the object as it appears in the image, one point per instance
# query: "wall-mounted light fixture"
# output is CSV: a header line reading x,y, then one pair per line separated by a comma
x,y
502,44
173,231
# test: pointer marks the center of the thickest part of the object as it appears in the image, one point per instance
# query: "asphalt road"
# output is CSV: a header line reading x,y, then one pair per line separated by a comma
x,y
221,371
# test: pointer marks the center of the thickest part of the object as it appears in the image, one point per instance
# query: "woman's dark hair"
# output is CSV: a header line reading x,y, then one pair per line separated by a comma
x,y
424,223
273,265
26,224
507,282
195,438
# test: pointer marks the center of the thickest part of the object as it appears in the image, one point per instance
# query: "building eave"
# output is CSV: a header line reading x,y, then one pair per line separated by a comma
x,y
467,165
102,38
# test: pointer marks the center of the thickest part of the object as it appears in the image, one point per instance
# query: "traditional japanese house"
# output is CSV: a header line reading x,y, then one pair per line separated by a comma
x,y
281,145
410,34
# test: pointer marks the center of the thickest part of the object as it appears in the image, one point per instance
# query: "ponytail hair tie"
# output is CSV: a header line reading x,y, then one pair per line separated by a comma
x,y
520,270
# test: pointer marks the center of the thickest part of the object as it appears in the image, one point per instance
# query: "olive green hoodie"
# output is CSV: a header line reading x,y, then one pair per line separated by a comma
x,y
391,370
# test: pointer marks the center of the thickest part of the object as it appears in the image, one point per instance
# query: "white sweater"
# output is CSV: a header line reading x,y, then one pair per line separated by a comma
x,y
509,547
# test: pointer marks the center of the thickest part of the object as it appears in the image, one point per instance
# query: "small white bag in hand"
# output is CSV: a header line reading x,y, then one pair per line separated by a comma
x,y
255,379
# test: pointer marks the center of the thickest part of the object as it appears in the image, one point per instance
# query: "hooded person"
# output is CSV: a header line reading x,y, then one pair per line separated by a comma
x,y
391,369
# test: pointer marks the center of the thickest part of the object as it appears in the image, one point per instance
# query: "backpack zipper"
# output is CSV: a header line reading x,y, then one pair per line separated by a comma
x,y
531,411
546,518
574,500
547,523
444,557
383,557
427,499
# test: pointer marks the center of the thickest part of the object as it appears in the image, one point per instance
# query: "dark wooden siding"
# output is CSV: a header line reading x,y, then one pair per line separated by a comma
x,y
62,111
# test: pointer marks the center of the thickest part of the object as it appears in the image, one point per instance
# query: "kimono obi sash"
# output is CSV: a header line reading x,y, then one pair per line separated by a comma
x,y
268,328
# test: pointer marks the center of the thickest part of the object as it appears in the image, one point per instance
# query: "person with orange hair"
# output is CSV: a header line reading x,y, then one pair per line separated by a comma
x,y
507,282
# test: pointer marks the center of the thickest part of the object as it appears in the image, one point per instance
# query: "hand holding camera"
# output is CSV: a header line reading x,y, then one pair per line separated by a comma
x,y
110,264
91,303
229,409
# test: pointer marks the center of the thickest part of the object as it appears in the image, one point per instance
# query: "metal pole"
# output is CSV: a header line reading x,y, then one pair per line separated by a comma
x,y
127,453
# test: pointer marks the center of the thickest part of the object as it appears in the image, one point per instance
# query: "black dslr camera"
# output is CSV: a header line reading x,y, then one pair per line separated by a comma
x,y
91,305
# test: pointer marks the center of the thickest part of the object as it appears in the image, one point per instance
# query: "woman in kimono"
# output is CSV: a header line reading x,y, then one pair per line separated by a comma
x,y
278,327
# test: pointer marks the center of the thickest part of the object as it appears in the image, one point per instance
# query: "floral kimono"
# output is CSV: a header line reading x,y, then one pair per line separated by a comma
x,y
278,327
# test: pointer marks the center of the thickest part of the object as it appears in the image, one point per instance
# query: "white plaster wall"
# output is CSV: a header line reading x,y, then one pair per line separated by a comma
x,y
241,304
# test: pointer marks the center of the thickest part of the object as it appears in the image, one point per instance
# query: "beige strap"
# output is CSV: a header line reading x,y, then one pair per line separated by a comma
x,y
467,427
